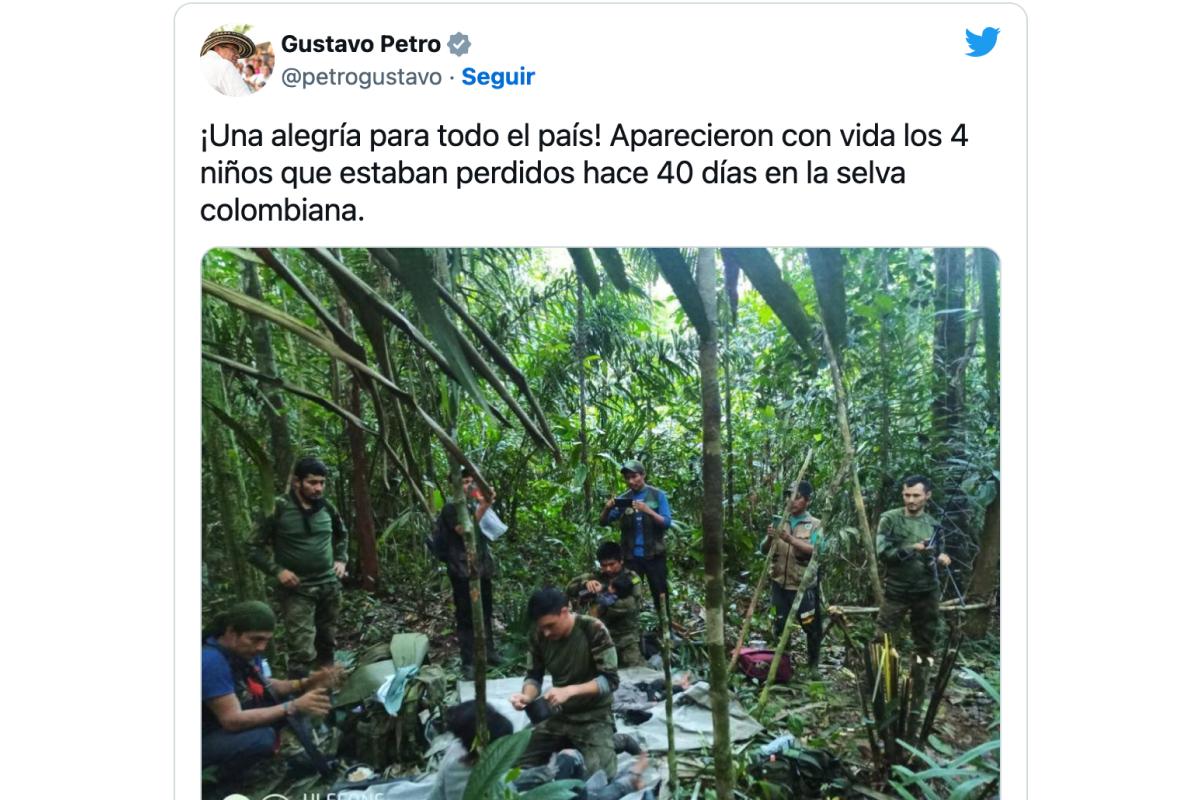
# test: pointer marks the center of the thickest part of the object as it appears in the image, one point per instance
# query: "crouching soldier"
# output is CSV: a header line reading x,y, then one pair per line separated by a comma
x,y
244,710
581,658
614,597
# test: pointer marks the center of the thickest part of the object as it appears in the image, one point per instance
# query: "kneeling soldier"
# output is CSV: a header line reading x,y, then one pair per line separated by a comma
x,y
581,658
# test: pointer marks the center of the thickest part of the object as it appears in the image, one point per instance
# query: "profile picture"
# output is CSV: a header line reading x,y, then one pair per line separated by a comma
x,y
233,63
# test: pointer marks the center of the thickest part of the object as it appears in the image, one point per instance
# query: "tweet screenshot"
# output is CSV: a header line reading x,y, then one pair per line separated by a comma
x,y
600,401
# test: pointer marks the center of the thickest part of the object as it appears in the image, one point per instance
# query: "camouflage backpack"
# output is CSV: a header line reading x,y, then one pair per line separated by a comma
x,y
382,740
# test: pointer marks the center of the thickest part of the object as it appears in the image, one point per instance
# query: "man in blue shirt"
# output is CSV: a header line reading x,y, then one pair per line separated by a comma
x,y
644,515
240,716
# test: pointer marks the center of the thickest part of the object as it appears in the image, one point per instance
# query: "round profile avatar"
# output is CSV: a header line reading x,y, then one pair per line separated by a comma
x,y
233,65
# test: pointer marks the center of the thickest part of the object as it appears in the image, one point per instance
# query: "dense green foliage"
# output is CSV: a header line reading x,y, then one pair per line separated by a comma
x,y
608,329
643,401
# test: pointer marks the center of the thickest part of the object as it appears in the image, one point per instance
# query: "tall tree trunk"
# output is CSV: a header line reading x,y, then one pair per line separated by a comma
x,y
985,574
949,348
728,424
989,300
264,361
580,355
885,398
233,523
710,520
364,519
441,262
360,481
467,522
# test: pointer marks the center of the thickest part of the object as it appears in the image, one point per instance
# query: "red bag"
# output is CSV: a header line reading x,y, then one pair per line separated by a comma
x,y
756,663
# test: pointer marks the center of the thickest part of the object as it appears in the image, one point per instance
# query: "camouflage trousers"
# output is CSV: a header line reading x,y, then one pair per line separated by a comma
x,y
308,615
592,738
924,608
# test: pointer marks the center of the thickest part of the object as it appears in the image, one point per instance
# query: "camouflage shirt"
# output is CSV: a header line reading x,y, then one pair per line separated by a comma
x,y
584,654
620,617
906,569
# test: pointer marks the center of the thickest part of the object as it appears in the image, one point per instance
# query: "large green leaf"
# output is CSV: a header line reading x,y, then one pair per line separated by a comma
x,y
964,789
257,453
415,270
760,268
585,269
983,683
614,267
975,752
495,761
555,790
675,269
504,362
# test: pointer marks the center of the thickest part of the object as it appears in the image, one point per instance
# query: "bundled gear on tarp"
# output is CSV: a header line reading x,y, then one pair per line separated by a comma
x,y
393,697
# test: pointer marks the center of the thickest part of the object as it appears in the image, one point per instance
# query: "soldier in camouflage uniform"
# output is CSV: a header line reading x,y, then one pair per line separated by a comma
x,y
582,661
793,543
613,596
910,554
302,545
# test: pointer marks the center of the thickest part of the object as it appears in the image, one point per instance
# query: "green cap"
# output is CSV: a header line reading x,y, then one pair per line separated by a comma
x,y
249,615
633,466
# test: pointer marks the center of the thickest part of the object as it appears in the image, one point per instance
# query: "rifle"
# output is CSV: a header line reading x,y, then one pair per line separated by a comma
x,y
935,544
303,735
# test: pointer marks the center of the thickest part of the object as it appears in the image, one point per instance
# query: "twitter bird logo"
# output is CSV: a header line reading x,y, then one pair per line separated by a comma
x,y
982,43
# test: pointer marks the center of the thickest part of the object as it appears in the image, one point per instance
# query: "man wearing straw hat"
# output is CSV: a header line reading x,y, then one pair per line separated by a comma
x,y
218,61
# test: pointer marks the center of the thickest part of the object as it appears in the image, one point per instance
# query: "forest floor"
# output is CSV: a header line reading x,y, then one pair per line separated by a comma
x,y
822,711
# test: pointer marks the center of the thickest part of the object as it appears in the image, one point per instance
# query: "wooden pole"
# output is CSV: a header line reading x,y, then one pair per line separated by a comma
x,y
672,775
848,444
949,605
809,578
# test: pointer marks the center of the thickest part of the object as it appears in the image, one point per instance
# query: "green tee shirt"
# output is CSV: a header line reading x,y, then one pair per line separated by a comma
x,y
584,654
307,542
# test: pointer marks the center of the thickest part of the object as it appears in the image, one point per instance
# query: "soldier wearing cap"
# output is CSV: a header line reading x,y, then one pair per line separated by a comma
x,y
644,516
218,61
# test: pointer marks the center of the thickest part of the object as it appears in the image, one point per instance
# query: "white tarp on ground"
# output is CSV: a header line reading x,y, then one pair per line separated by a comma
x,y
693,730
693,722
692,713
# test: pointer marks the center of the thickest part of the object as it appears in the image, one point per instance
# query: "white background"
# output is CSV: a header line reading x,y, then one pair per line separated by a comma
x,y
87,329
